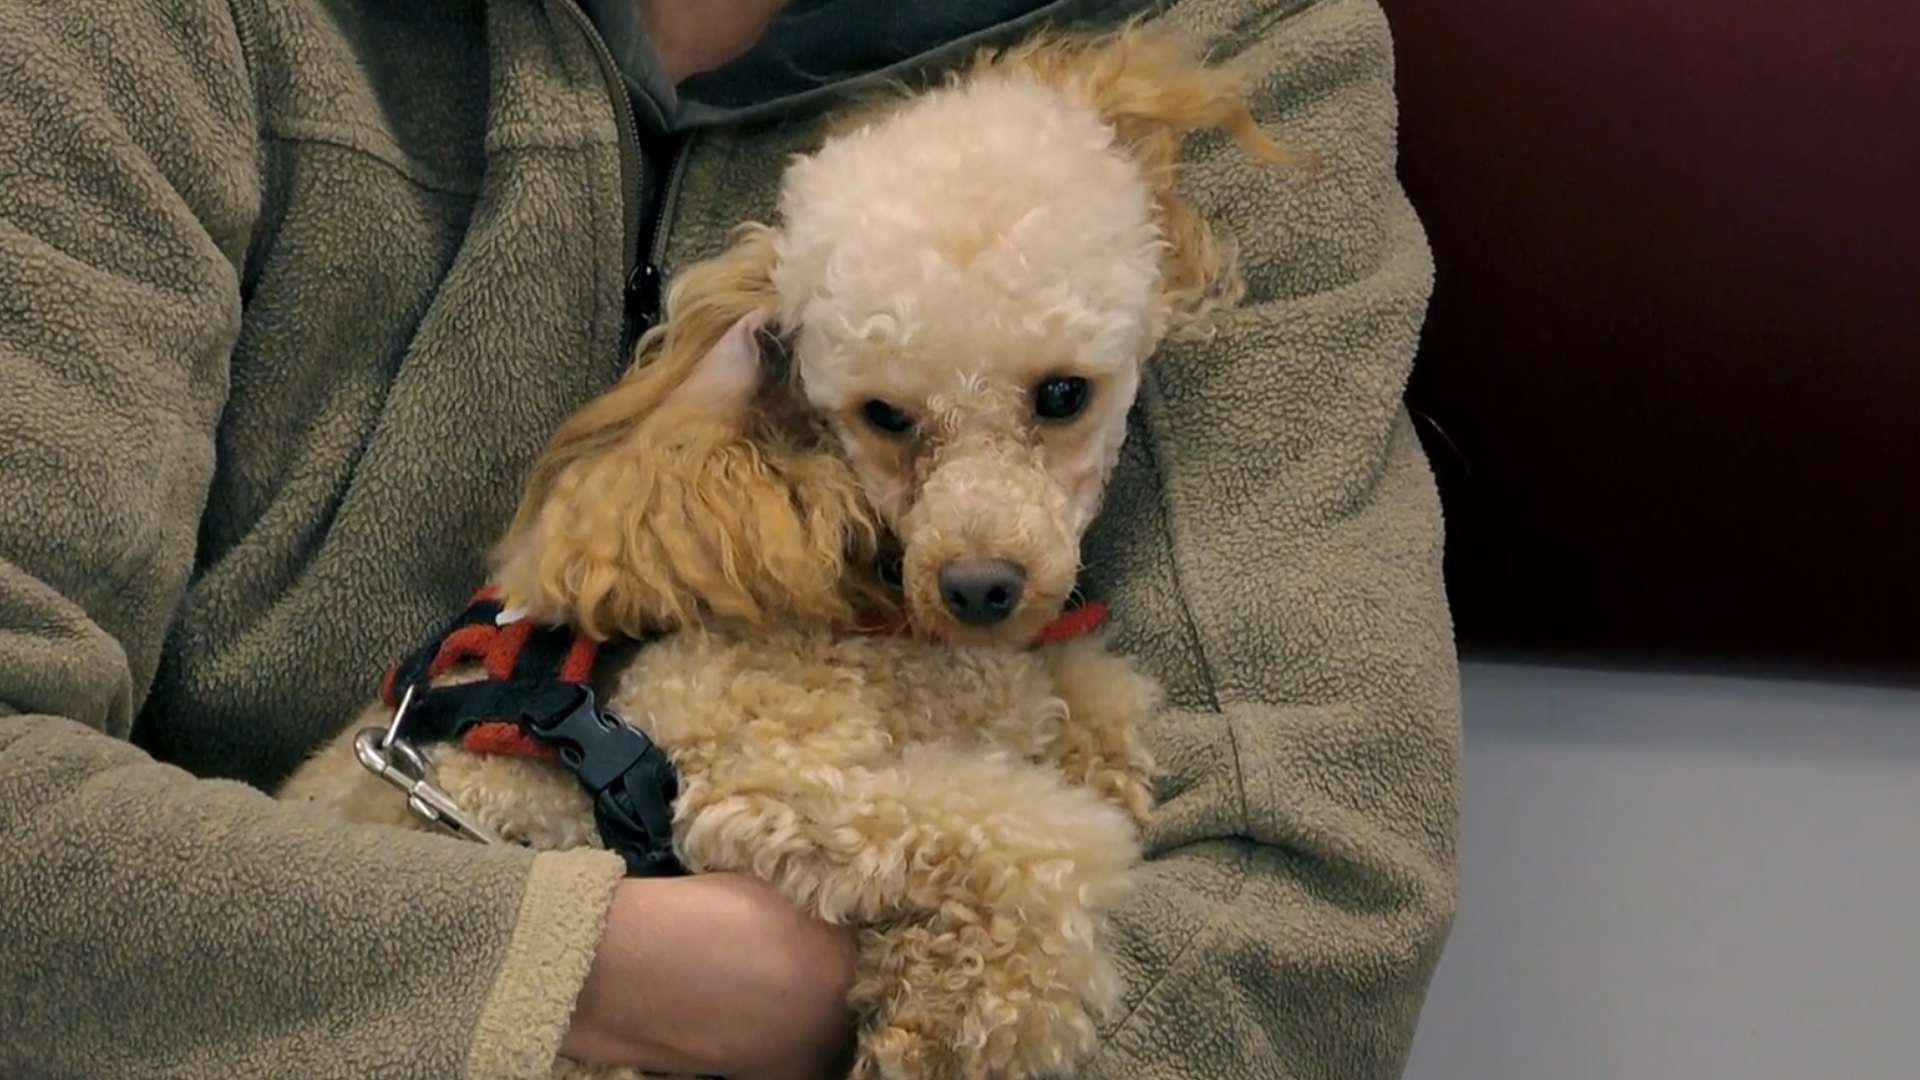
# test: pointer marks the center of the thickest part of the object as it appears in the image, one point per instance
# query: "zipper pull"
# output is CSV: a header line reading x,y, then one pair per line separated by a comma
x,y
642,299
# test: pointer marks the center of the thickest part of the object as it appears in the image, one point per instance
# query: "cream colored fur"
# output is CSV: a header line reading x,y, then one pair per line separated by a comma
x,y
969,801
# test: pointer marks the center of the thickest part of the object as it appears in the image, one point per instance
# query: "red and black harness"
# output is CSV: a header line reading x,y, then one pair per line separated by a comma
x,y
533,699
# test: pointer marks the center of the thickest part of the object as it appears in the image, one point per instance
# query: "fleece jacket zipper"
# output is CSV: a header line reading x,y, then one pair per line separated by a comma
x,y
640,294
647,279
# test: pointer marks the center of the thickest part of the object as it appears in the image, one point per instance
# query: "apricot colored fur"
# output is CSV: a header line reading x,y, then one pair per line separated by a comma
x,y
970,803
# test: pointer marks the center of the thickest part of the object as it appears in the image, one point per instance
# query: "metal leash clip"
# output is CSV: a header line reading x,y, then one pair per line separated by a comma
x,y
400,763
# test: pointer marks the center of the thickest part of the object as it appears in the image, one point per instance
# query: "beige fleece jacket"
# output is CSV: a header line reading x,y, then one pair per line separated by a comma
x,y
291,291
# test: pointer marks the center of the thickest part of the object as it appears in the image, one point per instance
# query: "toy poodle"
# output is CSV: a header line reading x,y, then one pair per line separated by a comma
x,y
819,547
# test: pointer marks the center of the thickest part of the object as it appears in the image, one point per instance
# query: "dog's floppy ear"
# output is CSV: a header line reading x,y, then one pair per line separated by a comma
x,y
1151,87
671,494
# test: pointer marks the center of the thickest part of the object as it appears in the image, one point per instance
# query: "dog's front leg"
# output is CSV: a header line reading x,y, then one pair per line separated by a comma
x,y
1001,972
1099,745
982,883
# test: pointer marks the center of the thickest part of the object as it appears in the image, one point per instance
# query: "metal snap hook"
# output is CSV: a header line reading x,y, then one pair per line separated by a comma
x,y
400,763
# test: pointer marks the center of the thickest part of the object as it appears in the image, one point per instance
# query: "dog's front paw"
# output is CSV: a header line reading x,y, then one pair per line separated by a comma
x,y
1043,1041
986,1003
1126,785
1100,746
897,1049
1128,789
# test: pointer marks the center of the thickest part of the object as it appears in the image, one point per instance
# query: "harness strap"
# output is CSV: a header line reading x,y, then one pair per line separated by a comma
x,y
509,649
1074,623
1079,619
535,701
629,778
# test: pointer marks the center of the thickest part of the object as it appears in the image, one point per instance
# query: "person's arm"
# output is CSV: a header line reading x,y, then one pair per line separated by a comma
x,y
158,924
1303,875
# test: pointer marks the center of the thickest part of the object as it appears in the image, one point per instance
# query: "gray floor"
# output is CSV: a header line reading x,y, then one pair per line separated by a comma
x,y
1681,878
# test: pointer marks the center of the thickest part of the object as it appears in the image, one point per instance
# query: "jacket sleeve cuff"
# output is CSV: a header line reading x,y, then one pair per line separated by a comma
x,y
527,1012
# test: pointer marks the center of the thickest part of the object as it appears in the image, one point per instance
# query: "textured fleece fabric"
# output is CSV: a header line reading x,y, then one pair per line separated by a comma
x,y
291,292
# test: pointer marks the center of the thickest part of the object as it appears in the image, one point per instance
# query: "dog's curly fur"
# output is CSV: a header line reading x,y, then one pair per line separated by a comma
x,y
970,802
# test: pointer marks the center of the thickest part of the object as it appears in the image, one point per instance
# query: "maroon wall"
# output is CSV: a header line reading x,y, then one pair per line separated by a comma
x,y
1674,346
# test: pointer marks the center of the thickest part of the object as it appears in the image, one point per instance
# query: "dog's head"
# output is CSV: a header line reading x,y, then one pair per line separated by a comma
x,y
972,279
965,285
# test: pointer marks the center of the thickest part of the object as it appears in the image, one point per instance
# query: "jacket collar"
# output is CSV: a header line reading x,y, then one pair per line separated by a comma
x,y
819,50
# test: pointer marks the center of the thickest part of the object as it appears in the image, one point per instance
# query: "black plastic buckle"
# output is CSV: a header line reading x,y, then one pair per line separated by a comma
x,y
631,780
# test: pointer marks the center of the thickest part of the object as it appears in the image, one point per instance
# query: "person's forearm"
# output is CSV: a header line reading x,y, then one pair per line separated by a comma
x,y
162,923
715,975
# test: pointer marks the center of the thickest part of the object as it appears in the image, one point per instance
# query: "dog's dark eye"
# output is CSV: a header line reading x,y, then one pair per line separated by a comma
x,y
888,418
1061,398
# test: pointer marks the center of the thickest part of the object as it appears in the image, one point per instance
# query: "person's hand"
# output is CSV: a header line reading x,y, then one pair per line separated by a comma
x,y
696,36
715,975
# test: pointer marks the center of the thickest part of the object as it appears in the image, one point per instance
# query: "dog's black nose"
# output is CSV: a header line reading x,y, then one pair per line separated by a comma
x,y
982,592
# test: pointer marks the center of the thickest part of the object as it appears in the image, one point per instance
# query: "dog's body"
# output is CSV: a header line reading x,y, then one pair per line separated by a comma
x,y
881,782
965,288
